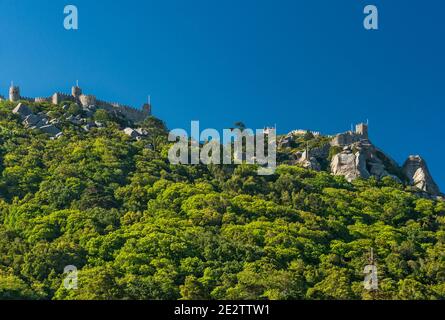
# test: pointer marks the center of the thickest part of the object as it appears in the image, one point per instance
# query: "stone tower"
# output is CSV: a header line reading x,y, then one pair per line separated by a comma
x,y
87,100
14,93
362,129
76,91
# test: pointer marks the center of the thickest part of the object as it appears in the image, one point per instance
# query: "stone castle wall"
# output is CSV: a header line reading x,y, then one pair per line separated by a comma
x,y
41,99
350,137
29,99
128,111
87,100
58,97
344,139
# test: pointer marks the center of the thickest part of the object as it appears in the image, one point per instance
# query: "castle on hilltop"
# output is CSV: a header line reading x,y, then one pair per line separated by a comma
x,y
350,137
85,101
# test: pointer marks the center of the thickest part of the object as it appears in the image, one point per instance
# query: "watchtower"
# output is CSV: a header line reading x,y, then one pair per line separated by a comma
x,y
362,129
14,93
76,91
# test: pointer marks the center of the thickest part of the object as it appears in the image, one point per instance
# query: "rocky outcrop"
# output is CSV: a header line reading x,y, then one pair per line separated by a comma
x,y
363,160
22,110
137,134
310,163
131,133
320,152
350,165
51,130
416,169
286,141
351,154
36,121
90,125
76,120
310,158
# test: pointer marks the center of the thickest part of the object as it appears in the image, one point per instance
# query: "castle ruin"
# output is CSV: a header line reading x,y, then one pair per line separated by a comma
x,y
84,100
350,137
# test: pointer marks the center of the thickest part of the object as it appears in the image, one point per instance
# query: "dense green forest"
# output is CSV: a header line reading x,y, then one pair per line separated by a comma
x,y
137,227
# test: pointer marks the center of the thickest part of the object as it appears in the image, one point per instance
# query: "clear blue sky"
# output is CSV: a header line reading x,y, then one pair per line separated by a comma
x,y
299,64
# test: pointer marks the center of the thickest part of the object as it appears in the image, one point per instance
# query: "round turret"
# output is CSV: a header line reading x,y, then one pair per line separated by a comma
x,y
14,93
76,92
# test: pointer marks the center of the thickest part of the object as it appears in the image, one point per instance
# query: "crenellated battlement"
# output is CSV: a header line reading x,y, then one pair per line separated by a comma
x,y
128,111
112,104
29,99
350,137
41,99
85,100
58,97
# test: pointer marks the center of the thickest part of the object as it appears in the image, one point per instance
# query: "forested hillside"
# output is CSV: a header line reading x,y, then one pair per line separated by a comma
x,y
137,227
